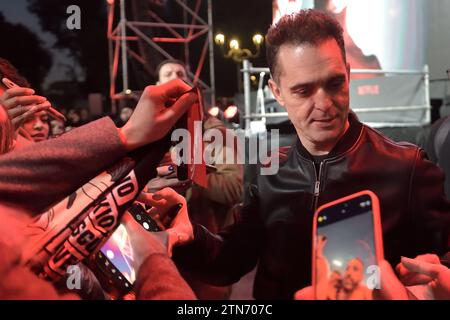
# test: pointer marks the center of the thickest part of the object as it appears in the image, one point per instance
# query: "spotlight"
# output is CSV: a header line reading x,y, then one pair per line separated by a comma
x,y
214,111
338,263
231,112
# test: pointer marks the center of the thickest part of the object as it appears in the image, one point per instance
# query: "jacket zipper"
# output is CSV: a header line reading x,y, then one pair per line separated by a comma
x,y
317,186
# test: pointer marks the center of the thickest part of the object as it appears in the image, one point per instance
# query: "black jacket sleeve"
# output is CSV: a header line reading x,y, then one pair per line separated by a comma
x,y
430,208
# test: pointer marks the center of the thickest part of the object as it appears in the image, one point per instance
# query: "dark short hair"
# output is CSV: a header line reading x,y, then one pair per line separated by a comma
x,y
164,62
7,70
304,27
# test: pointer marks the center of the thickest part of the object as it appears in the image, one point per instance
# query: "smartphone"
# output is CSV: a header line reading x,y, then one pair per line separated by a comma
x,y
347,248
114,261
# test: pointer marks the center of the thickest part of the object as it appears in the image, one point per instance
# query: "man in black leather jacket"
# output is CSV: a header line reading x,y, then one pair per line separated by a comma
x,y
334,156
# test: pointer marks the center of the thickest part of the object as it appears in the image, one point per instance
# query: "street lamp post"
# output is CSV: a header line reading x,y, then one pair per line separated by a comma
x,y
238,54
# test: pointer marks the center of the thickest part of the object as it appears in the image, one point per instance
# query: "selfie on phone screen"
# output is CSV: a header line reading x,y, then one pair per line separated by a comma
x,y
345,250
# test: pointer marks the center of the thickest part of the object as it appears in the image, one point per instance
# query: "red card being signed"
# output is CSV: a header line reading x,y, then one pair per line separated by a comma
x,y
196,165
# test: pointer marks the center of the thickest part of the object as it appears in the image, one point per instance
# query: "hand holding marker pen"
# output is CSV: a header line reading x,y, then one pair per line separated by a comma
x,y
54,113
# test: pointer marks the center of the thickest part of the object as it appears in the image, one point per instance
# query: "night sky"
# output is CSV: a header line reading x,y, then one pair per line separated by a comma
x,y
241,19
233,17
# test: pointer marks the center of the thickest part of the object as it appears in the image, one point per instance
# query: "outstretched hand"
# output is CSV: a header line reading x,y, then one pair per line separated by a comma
x,y
152,120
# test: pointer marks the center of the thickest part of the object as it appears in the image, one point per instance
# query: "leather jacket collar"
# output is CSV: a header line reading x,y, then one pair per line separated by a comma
x,y
349,139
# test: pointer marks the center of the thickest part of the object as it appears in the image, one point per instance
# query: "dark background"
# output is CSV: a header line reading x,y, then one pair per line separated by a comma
x,y
68,65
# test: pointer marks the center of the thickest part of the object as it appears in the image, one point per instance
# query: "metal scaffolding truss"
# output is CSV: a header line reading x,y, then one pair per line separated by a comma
x,y
126,31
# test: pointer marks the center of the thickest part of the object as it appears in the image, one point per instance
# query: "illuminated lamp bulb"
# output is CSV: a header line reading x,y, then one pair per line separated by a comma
x,y
214,111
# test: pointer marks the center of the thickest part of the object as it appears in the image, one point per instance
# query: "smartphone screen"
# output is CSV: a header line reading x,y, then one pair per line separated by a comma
x,y
119,252
347,248
115,258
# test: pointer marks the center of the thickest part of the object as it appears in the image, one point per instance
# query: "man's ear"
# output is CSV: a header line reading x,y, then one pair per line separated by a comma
x,y
276,92
349,69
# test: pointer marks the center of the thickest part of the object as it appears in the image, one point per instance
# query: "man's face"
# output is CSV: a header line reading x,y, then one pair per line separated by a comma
x,y
38,126
313,86
354,274
171,71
